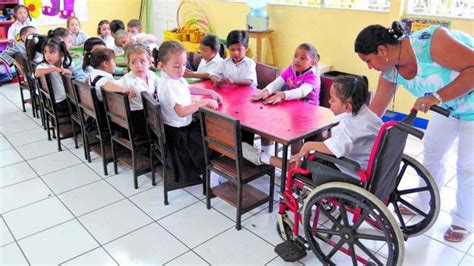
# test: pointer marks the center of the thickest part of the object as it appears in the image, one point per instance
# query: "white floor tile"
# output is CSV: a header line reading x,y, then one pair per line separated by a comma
x,y
98,168
279,261
22,194
70,178
467,261
12,117
4,144
471,250
413,147
114,221
196,224
11,255
90,197
231,212
37,149
53,162
8,108
36,217
5,235
142,248
124,183
26,137
95,257
57,244
434,253
151,201
20,126
9,156
448,198
264,225
196,191
244,244
15,173
189,258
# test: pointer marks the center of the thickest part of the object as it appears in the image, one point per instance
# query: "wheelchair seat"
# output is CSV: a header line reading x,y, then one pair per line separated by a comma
x,y
322,173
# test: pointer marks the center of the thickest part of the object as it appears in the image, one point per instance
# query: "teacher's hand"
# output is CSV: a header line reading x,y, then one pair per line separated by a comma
x,y
424,103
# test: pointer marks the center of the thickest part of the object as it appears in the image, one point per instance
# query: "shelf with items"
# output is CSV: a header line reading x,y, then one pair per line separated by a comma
x,y
6,20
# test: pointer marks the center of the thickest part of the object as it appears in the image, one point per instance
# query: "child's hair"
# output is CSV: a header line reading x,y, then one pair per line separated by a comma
x,y
25,29
313,52
71,19
369,39
352,88
116,25
88,46
18,7
211,41
166,49
138,49
101,55
120,34
238,37
134,23
34,44
56,44
102,22
59,32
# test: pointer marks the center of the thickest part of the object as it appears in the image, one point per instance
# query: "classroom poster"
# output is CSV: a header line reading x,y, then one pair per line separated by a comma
x,y
53,12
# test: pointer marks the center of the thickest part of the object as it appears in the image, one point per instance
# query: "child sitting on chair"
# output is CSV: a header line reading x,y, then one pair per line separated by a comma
x,y
209,46
125,39
352,138
237,69
182,130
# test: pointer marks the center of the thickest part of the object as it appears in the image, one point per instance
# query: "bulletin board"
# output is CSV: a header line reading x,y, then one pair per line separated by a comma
x,y
53,12
413,24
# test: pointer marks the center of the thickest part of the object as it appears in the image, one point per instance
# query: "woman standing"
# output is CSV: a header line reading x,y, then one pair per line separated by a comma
x,y
437,66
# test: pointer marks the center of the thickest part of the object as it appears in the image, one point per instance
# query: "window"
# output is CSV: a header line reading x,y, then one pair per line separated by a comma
x,y
382,5
445,8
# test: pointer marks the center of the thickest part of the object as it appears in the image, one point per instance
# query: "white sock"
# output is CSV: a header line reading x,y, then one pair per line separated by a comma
x,y
265,157
267,149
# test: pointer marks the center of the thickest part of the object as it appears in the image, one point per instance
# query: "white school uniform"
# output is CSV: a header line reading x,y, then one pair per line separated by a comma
x,y
79,39
245,69
209,66
56,82
138,39
16,27
109,41
132,81
171,92
354,137
106,76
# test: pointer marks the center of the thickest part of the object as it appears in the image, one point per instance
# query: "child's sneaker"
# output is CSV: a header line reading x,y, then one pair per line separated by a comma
x,y
251,153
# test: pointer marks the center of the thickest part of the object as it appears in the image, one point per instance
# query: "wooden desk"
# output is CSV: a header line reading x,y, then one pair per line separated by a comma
x,y
285,123
259,35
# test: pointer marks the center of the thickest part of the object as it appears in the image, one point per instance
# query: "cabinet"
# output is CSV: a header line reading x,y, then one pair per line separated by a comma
x,y
6,20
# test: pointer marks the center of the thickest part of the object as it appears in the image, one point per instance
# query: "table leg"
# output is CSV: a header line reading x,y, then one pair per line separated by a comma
x,y
283,168
259,49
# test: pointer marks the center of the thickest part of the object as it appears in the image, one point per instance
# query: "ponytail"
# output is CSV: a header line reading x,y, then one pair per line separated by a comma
x,y
34,44
369,39
89,45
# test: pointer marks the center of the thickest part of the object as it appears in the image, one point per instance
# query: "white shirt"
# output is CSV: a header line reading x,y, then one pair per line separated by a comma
x,y
16,27
109,42
132,81
354,137
56,82
140,38
79,39
209,66
171,92
106,76
245,69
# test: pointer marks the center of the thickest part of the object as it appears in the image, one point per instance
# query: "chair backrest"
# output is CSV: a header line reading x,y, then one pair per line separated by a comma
x,y
117,109
266,74
47,93
324,96
29,72
83,93
385,159
154,122
195,59
67,81
222,134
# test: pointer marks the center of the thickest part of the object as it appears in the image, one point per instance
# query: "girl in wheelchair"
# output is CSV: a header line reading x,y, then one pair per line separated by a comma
x,y
353,136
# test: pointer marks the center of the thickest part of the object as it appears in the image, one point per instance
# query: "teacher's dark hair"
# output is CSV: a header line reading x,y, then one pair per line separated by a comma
x,y
372,36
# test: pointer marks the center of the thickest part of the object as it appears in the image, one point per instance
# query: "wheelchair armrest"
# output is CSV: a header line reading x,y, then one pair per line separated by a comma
x,y
347,163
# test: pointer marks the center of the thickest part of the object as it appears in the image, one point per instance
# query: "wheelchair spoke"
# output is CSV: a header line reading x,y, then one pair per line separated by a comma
x,y
342,209
335,249
353,254
360,221
409,205
368,252
399,215
324,231
413,190
370,237
327,214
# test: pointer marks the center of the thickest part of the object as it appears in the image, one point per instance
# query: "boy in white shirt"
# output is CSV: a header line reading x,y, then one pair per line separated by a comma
x,y
209,46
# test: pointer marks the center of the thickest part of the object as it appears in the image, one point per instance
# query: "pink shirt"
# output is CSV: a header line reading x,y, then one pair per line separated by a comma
x,y
310,77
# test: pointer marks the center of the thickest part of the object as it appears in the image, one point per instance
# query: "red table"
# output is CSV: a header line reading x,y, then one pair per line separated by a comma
x,y
285,123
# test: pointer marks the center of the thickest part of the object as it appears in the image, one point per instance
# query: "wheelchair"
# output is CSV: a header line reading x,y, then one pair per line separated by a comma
x,y
346,220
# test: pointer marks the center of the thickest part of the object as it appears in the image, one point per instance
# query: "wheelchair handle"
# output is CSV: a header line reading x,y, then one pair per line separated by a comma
x,y
440,110
410,130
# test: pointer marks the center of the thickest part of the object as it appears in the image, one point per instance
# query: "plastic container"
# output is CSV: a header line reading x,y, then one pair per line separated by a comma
x,y
172,34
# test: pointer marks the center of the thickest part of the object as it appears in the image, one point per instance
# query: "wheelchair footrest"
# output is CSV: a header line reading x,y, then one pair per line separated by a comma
x,y
290,251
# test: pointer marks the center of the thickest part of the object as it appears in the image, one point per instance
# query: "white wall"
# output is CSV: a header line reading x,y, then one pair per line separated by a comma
x,y
163,16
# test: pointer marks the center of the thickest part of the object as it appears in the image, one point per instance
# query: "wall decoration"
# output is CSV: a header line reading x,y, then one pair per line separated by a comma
x,y
411,24
53,12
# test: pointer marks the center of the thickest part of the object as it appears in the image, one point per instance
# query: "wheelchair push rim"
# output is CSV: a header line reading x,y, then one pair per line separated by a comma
x,y
361,231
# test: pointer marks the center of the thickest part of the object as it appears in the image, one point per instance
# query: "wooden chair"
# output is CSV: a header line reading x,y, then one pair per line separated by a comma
x,y
117,109
195,59
222,134
33,82
90,107
23,82
157,139
266,74
73,108
58,119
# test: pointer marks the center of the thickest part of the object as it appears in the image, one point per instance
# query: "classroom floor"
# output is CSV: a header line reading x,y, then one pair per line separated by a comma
x,y
58,209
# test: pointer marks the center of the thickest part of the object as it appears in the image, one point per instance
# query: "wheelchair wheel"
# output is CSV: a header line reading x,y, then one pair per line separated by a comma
x,y
369,235
425,192
287,232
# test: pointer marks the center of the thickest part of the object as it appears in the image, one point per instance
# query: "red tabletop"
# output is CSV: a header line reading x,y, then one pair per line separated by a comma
x,y
284,123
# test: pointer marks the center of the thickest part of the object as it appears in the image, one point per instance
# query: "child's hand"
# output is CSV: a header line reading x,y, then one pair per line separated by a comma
x,y
296,159
131,92
216,80
216,96
64,71
212,104
261,96
228,80
277,98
